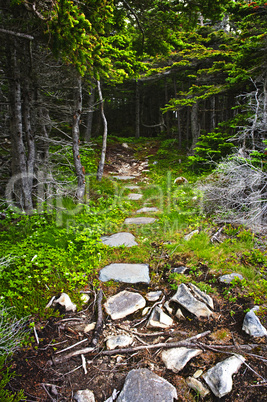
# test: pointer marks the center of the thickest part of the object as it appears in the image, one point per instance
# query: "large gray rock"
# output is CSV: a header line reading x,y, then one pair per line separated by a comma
x,y
252,325
230,277
175,359
201,295
185,298
119,239
141,220
127,273
142,385
123,304
219,377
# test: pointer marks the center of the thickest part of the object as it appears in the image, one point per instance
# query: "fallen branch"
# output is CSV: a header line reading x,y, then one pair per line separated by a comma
x,y
186,343
99,322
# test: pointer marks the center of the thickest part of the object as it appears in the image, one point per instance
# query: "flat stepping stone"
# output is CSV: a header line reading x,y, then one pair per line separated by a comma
x,y
127,273
119,239
143,385
132,187
124,177
141,220
123,304
252,325
175,359
185,298
230,277
134,196
146,209
219,377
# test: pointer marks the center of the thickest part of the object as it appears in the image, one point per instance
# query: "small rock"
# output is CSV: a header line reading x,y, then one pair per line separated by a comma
x,y
219,377
158,319
143,385
123,304
84,298
89,327
180,180
153,296
179,270
168,308
119,239
132,187
84,395
197,386
64,300
198,373
141,220
202,295
191,234
125,145
252,325
184,297
175,359
179,314
230,277
127,273
134,196
120,341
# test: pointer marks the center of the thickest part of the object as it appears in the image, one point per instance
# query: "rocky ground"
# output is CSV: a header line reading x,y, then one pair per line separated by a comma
x,y
50,370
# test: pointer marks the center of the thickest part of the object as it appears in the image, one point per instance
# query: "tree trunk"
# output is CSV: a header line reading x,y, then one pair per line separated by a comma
x,y
75,140
166,101
194,125
28,131
213,113
88,132
21,184
105,134
137,110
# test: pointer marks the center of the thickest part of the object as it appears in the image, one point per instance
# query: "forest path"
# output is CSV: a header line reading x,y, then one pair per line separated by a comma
x,y
49,374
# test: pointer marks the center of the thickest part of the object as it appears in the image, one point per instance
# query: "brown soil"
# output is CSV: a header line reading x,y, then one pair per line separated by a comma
x,y
36,371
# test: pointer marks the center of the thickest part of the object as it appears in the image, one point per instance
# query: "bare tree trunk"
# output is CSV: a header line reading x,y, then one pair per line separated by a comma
x,y
88,132
28,131
22,188
166,101
178,117
75,140
105,134
194,125
137,110
265,102
213,113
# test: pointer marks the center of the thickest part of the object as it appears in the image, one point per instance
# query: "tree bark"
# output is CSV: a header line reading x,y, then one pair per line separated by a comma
x,y
194,125
105,134
75,140
88,132
137,110
22,188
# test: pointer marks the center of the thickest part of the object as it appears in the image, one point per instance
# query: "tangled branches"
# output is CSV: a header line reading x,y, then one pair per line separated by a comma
x,y
12,332
237,193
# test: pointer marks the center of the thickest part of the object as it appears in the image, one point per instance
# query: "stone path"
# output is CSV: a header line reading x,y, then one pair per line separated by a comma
x,y
143,385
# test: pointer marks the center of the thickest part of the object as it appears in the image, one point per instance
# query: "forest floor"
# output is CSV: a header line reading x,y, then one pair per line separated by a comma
x,y
43,380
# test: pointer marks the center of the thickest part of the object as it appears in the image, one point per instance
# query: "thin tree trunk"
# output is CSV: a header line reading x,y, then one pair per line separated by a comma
x,y
105,134
166,101
194,125
88,132
75,140
213,113
137,110
28,131
178,117
23,190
